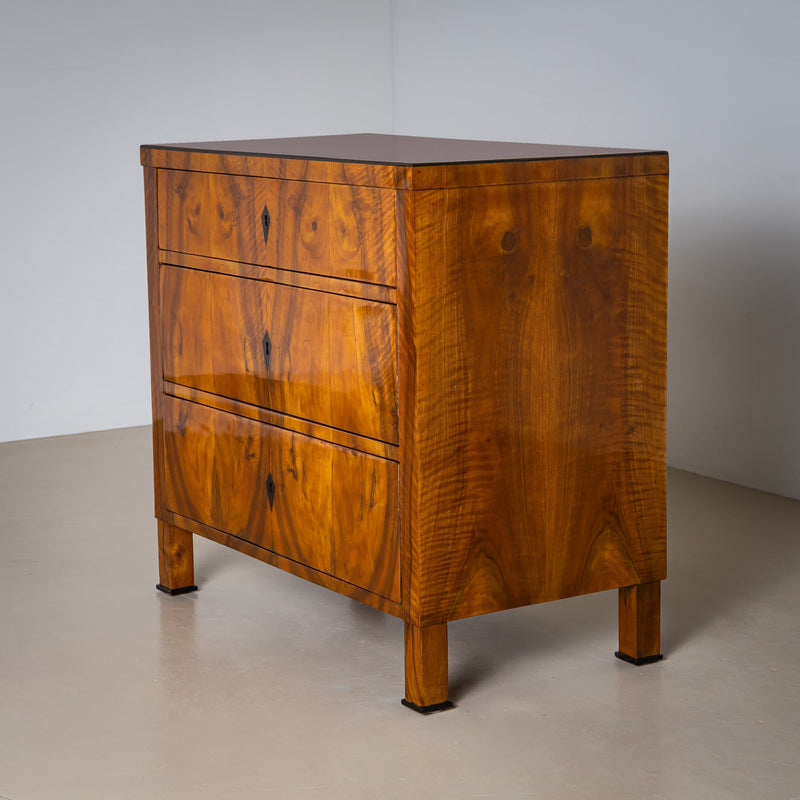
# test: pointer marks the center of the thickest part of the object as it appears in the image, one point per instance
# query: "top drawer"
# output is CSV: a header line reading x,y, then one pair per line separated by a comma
x,y
327,229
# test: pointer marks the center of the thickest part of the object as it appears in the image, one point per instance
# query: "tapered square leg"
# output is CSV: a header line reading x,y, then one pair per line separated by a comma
x,y
640,623
175,560
426,668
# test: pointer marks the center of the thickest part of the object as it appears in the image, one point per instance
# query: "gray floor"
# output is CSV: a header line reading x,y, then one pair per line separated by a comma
x,y
262,686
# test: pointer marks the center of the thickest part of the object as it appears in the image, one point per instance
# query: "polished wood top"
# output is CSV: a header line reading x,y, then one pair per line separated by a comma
x,y
404,162
409,151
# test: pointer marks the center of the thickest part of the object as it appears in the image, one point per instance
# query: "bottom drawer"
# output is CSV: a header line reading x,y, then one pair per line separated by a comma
x,y
330,508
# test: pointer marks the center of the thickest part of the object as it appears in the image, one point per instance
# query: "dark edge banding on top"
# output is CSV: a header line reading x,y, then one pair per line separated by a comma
x,y
494,152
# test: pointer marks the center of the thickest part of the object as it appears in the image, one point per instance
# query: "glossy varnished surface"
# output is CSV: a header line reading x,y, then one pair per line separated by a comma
x,y
307,427
464,407
540,329
394,607
175,558
333,509
426,665
154,319
332,358
640,621
292,169
498,173
302,280
426,176
342,231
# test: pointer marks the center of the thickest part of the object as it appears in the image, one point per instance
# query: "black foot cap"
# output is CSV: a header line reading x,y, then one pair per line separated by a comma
x,y
173,592
431,709
639,662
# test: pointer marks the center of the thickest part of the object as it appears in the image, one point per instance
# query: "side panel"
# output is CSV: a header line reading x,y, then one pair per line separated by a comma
x,y
153,289
406,383
540,327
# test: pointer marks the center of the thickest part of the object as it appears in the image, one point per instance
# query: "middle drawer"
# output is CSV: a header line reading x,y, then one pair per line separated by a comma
x,y
318,356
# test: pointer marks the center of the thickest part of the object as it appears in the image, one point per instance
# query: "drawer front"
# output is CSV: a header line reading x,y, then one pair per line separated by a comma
x,y
322,357
332,509
327,229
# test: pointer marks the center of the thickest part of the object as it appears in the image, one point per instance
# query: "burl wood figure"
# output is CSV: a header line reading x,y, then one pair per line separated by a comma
x,y
428,374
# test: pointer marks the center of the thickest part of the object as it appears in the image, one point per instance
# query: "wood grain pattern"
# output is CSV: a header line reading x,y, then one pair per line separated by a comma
x,y
381,176
451,176
640,621
332,358
302,280
334,510
406,381
439,176
341,231
541,374
426,664
396,609
154,314
347,439
496,438
404,162
175,557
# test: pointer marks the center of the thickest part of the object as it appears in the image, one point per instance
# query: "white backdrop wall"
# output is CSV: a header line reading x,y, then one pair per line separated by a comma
x,y
83,84
715,82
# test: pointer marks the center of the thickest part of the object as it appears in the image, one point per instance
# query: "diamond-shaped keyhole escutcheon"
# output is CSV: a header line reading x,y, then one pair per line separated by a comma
x,y
265,223
270,490
266,344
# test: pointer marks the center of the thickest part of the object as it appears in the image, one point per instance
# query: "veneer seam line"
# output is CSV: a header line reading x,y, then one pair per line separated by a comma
x,y
265,279
172,393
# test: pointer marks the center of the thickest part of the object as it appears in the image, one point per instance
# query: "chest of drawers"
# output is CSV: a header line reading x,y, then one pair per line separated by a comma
x,y
427,374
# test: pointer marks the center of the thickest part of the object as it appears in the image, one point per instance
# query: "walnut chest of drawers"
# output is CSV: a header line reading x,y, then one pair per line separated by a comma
x,y
427,374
